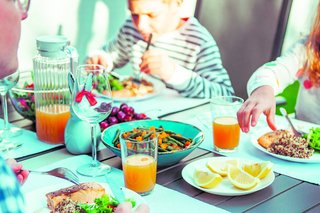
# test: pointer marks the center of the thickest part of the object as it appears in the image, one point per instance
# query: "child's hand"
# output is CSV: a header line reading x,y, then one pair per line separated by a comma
x,y
157,63
261,100
127,208
97,59
21,174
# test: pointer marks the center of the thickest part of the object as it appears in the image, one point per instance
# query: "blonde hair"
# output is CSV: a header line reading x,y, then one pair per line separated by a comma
x,y
312,65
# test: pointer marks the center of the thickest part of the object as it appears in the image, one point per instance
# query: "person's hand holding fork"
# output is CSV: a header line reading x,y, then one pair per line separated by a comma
x,y
157,63
20,173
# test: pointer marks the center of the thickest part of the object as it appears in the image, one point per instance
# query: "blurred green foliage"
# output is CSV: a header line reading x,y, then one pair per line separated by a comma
x,y
290,94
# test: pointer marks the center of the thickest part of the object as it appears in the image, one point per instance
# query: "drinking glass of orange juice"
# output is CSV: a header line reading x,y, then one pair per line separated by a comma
x,y
139,161
226,130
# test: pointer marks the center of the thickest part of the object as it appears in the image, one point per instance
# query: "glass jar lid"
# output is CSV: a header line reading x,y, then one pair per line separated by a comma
x,y
52,45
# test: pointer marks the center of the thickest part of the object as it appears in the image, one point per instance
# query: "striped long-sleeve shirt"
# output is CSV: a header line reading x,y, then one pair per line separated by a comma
x,y
199,71
11,199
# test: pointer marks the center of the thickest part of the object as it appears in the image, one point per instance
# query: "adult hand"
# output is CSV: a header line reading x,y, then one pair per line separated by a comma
x,y
158,63
261,100
127,208
21,174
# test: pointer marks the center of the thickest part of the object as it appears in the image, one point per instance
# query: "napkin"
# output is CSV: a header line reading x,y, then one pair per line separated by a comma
x,y
31,144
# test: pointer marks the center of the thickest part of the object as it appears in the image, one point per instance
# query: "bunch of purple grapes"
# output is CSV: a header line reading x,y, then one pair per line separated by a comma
x,y
121,114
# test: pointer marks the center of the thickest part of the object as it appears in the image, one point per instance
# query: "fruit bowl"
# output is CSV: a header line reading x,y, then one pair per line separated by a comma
x,y
22,96
164,158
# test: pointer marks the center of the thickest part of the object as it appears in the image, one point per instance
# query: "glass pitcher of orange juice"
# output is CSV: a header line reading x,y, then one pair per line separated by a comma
x,y
52,64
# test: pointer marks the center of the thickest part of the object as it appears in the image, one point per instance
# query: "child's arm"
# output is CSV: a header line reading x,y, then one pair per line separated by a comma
x,y
279,73
208,78
113,54
100,57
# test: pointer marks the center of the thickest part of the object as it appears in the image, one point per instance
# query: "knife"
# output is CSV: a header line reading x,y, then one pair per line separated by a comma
x,y
117,191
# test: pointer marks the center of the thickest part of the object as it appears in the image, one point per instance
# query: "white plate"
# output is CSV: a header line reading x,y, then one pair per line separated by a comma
x,y
158,87
315,158
224,188
36,201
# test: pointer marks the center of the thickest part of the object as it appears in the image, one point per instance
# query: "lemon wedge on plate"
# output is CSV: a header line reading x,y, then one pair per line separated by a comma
x,y
259,170
206,179
221,166
241,179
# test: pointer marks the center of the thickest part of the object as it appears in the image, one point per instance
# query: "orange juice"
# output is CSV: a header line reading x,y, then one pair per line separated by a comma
x,y
226,133
140,173
51,121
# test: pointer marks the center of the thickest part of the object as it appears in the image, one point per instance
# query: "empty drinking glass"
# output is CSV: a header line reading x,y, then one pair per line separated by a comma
x,y
92,102
8,132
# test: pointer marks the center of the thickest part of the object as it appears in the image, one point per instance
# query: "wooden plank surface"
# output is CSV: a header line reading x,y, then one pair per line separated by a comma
x,y
314,209
299,198
242,203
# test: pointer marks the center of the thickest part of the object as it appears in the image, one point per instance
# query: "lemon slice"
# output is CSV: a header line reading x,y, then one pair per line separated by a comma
x,y
221,166
241,179
259,170
206,179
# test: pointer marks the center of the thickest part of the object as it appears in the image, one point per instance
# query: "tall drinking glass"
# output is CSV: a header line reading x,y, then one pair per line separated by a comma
x,y
92,102
226,130
8,132
139,161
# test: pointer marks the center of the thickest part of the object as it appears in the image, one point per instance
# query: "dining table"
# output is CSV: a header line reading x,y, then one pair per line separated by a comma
x,y
294,189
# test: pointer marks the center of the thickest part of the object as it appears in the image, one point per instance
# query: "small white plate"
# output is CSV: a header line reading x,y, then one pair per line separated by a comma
x,y
36,201
315,158
224,188
158,87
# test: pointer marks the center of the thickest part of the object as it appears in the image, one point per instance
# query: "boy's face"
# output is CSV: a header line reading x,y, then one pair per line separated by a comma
x,y
154,16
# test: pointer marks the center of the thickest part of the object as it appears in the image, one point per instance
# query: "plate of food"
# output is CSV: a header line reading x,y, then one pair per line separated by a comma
x,y
228,176
284,145
128,88
71,198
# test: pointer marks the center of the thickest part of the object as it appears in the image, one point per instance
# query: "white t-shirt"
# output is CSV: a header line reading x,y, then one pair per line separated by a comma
x,y
284,71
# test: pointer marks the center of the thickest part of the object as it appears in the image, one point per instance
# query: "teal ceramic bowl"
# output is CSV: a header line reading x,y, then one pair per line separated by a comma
x,y
164,158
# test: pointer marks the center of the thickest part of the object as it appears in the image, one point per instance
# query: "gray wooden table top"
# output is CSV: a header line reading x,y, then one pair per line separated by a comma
x,y
286,194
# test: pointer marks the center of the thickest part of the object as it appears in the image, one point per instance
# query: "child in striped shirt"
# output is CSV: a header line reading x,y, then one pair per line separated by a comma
x,y
182,52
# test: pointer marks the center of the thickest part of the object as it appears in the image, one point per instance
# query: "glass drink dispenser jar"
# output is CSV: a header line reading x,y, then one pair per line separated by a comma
x,y
51,65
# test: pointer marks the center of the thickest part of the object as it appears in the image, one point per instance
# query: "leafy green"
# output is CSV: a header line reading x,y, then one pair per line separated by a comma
x,y
313,138
104,204
100,83
132,201
115,84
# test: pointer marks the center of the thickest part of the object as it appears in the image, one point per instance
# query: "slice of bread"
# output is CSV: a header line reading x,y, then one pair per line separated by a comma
x,y
268,138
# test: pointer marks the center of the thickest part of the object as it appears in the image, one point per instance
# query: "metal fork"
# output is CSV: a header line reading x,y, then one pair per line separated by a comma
x,y
137,75
61,172
285,114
